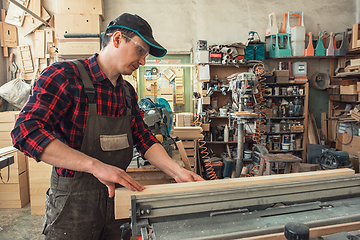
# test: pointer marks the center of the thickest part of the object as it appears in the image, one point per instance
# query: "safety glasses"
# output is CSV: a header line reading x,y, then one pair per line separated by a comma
x,y
140,49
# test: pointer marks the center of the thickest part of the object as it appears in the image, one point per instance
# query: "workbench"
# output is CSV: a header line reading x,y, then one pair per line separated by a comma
x,y
243,207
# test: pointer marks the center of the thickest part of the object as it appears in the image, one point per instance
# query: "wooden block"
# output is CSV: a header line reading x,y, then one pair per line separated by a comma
x,y
15,15
39,174
168,97
183,154
281,73
9,35
307,167
78,46
39,44
8,116
123,196
206,100
166,91
358,86
72,23
14,195
355,62
349,97
355,35
352,148
95,7
30,23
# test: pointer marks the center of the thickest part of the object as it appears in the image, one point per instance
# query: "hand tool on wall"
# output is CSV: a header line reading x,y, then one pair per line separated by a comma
x,y
12,60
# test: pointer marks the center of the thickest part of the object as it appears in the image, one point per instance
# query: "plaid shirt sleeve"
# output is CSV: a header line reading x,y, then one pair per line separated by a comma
x,y
43,111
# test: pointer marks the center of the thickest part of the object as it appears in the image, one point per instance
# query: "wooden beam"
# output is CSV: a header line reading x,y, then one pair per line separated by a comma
x,y
123,196
314,232
183,154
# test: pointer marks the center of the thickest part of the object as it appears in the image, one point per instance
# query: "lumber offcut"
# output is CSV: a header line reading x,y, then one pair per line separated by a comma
x,y
123,195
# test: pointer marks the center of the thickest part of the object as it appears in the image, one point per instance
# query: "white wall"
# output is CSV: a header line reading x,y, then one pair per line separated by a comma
x,y
178,24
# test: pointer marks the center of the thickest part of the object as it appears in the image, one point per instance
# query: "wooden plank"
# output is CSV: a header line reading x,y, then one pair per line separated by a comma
x,y
314,232
183,154
324,126
30,23
123,196
39,42
39,174
78,46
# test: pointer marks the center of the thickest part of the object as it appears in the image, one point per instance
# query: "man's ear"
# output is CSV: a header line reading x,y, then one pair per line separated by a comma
x,y
116,38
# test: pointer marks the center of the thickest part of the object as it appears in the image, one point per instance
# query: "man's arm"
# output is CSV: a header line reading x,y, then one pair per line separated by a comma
x,y
60,155
158,157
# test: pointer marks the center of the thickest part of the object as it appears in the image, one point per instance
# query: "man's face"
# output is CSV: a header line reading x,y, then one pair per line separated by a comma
x,y
134,53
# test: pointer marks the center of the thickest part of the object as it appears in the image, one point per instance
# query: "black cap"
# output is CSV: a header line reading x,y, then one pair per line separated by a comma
x,y
142,28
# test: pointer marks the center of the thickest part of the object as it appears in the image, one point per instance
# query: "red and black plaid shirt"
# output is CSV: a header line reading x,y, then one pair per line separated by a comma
x,y
58,109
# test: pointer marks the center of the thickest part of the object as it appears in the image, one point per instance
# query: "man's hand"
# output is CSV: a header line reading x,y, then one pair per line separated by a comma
x,y
184,175
109,175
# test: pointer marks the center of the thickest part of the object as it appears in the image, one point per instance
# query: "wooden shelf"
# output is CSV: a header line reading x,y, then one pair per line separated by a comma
x,y
303,57
282,133
285,84
292,118
281,151
283,96
220,142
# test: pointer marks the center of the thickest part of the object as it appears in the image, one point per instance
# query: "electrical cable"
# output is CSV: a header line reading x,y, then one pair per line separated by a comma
x,y
336,134
204,154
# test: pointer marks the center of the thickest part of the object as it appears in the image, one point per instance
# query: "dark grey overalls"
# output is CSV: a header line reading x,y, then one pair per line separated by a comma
x,y
80,207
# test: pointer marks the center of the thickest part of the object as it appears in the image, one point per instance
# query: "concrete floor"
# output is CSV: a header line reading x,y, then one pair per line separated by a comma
x,y
16,224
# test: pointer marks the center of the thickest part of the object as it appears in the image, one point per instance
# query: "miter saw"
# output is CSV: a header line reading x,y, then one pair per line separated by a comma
x,y
158,117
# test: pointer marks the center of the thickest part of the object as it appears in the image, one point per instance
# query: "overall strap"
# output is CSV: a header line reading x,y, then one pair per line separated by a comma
x,y
128,99
88,86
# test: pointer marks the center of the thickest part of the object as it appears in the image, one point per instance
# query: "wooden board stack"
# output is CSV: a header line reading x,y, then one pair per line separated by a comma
x,y
39,179
15,192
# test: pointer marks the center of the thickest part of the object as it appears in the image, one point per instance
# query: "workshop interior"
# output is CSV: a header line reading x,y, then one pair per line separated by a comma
x,y
260,98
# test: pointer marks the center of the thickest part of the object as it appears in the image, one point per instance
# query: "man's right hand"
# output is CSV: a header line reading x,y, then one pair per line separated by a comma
x,y
109,175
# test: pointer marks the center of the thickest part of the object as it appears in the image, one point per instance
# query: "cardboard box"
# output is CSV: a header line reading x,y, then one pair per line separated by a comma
x,y
74,23
95,7
205,126
206,100
351,89
281,73
333,89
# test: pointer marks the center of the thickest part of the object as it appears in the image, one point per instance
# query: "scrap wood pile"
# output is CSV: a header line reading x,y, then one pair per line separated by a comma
x,y
355,113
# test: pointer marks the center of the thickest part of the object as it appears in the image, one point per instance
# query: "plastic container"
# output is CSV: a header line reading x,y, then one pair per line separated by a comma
x,y
223,112
285,146
247,154
298,33
299,69
298,48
